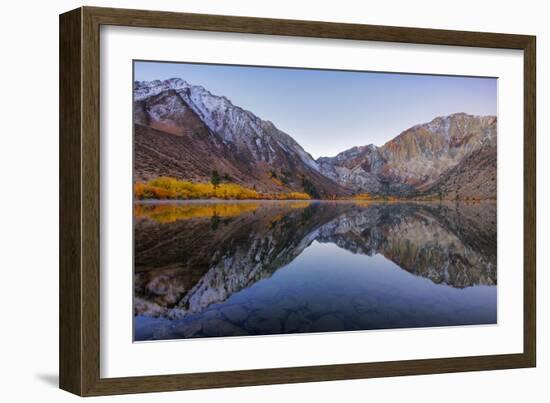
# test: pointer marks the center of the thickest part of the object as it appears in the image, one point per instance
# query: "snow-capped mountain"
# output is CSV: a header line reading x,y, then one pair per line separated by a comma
x,y
415,160
183,130
360,169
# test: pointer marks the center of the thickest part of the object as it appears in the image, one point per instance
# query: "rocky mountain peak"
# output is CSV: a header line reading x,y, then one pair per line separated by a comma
x,y
414,159
258,150
259,154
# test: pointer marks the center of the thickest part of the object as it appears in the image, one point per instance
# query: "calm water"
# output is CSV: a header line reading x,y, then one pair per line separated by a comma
x,y
210,269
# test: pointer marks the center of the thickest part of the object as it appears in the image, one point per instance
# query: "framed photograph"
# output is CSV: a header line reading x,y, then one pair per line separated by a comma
x,y
250,201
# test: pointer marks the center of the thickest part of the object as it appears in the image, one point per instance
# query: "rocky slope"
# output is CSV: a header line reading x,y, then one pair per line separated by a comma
x,y
475,176
184,131
449,155
361,169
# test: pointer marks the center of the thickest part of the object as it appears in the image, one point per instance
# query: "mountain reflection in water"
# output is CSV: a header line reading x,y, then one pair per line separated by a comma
x,y
210,269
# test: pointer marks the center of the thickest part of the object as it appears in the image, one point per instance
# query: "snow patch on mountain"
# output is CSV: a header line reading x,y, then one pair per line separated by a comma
x,y
232,123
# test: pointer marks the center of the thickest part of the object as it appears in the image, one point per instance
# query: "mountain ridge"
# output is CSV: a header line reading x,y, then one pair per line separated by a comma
x,y
185,131
413,161
251,151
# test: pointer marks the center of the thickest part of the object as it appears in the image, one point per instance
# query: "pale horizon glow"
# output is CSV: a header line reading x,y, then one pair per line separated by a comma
x,y
329,111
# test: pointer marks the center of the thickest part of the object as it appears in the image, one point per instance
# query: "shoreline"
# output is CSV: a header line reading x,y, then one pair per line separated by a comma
x,y
218,201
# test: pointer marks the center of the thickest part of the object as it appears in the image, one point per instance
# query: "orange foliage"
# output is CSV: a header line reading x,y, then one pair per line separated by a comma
x,y
167,213
277,181
369,197
363,196
170,188
285,196
299,205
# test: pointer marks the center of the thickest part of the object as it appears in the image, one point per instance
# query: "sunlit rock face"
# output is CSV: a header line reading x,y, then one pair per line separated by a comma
x,y
438,159
190,257
184,131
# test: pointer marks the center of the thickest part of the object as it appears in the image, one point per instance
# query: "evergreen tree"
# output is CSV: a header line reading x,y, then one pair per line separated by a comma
x,y
215,179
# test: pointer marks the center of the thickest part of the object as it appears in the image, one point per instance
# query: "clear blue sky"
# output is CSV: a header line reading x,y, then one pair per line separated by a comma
x,y
330,111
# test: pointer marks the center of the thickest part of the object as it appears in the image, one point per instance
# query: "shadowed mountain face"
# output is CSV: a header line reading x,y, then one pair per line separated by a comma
x,y
184,131
474,176
222,269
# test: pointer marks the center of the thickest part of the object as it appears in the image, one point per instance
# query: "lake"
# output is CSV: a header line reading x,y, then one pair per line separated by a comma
x,y
219,269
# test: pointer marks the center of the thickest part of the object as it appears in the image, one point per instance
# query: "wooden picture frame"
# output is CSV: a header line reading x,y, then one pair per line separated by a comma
x,y
79,346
